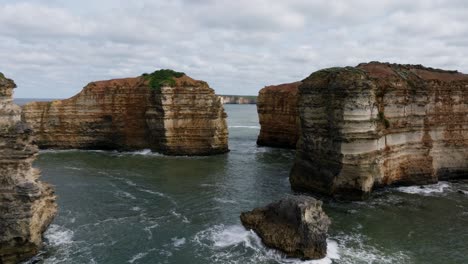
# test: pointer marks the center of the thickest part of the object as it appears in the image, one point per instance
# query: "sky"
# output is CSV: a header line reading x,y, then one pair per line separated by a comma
x,y
54,48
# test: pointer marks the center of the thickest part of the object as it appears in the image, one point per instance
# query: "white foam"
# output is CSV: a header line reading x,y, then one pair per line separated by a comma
x,y
354,248
225,201
439,187
58,235
73,168
177,242
219,238
180,216
124,194
137,257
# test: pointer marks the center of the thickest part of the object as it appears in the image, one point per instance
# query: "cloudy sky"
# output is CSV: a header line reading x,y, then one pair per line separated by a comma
x,y
53,48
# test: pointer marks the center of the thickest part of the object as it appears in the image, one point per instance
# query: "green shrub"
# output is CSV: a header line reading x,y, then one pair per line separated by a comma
x,y
162,77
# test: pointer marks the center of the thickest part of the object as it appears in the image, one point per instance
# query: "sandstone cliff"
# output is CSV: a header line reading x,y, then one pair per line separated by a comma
x,y
379,124
179,116
27,206
278,116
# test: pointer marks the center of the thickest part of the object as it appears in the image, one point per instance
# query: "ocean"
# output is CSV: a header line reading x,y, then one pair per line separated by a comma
x,y
144,207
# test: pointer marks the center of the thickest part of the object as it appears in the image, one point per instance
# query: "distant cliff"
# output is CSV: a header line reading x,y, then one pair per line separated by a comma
x,y
379,124
238,99
27,205
277,113
166,111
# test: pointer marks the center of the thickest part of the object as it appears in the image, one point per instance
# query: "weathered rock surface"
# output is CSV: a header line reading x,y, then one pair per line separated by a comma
x,y
238,99
379,124
295,225
27,206
278,116
182,117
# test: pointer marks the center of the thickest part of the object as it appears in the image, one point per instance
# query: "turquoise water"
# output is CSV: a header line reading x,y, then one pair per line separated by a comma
x,y
143,207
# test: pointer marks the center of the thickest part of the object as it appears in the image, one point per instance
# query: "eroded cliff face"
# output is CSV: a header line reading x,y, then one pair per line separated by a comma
x,y
278,116
183,117
27,206
379,124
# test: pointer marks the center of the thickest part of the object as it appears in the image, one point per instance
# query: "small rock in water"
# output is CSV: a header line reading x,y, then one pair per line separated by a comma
x,y
296,225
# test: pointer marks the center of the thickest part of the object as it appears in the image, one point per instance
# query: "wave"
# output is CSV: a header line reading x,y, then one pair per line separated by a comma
x,y
219,239
58,235
439,187
137,257
177,242
225,201
353,248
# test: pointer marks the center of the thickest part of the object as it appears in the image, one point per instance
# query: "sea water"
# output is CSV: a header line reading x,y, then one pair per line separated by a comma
x,y
144,207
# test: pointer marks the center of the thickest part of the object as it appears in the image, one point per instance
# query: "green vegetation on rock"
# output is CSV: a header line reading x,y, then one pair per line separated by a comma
x,y
162,77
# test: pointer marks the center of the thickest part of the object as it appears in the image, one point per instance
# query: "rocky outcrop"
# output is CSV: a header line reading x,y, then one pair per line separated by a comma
x,y
295,225
27,206
379,124
175,116
278,116
238,99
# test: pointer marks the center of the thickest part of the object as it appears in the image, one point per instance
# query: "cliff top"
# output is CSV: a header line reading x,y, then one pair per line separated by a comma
x,y
282,88
383,70
6,83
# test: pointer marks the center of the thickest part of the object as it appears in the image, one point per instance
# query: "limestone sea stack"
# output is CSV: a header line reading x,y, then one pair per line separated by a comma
x,y
295,225
379,124
27,206
278,116
165,111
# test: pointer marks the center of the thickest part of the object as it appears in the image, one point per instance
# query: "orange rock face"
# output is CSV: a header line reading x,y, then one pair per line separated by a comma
x,y
186,118
379,124
278,116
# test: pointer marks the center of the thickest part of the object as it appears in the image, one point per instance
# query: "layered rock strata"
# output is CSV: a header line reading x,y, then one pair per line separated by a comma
x,y
295,225
27,206
278,116
182,116
379,124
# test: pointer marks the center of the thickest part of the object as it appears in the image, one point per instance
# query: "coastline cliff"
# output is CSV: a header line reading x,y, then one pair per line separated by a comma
x,y
278,116
380,124
165,111
27,206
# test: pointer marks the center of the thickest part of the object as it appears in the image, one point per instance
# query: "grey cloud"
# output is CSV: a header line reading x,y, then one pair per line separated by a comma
x,y
53,48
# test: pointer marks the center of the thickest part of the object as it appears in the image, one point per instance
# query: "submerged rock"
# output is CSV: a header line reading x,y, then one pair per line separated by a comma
x,y
278,116
165,111
379,124
295,225
27,206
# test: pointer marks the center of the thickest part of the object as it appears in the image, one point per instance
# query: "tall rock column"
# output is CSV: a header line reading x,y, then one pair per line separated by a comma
x,y
27,206
278,116
379,124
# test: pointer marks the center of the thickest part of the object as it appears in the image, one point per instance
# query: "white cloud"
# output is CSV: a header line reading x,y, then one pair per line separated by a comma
x,y
53,48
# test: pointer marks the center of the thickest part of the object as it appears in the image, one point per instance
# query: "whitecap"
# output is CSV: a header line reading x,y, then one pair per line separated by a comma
x,y
219,238
137,257
225,201
73,168
180,216
439,187
353,248
58,235
124,194
177,242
